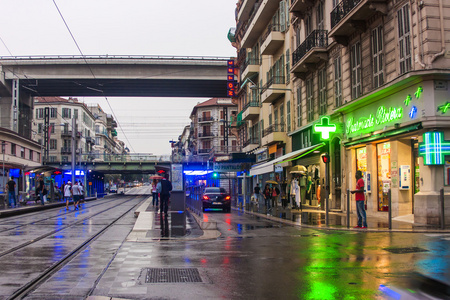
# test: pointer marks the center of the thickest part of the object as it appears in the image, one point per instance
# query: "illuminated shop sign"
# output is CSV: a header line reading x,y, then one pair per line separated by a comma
x,y
231,83
325,128
443,108
384,115
434,148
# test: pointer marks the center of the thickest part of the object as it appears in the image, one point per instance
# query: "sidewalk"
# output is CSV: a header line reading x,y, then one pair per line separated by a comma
x,y
315,218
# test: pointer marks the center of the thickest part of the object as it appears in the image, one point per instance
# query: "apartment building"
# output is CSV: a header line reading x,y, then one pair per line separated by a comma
x,y
211,135
377,71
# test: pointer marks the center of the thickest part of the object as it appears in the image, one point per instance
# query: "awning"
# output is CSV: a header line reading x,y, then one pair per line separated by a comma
x,y
268,167
40,169
385,134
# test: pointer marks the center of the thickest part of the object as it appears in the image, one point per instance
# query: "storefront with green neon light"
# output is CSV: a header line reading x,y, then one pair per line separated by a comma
x,y
382,134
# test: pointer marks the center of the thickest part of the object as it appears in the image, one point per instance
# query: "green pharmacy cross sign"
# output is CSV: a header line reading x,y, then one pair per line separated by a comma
x,y
434,148
443,108
325,128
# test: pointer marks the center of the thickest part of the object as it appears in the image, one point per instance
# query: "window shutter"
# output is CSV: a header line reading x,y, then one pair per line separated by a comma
x,y
282,16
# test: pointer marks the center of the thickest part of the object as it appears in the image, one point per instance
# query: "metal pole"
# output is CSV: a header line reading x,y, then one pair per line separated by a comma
x,y
74,125
390,209
326,193
441,197
348,208
3,173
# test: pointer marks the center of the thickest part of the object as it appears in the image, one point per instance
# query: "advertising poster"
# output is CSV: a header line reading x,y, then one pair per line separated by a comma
x,y
177,177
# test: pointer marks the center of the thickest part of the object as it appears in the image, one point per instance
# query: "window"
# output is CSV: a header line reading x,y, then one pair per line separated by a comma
x,y
337,82
75,113
308,25
322,91
52,158
39,113
297,36
299,106
320,9
309,100
30,155
53,113
52,127
97,141
356,70
276,121
67,113
53,144
40,126
22,152
222,130
404,39
13,149
377,52
288,116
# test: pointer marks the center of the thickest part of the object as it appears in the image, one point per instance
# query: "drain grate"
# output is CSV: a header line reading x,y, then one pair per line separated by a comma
x,y
169,275
405,250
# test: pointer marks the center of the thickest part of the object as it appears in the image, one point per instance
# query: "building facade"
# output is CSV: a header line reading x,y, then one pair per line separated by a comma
x,y
210,132
377,71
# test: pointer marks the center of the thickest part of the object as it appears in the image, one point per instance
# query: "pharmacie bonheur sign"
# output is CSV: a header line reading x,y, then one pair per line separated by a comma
x,y
402,107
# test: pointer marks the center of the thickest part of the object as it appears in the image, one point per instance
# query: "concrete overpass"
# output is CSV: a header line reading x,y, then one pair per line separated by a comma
x,y
140,76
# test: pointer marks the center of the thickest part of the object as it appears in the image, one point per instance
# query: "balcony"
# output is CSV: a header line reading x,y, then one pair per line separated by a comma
x,y
350,16
258,21
203,151
273,39
249,68
66,150
312,51
246,10
206,135
205,119
250,144
251,110
273,90
274,134
299,7
68,133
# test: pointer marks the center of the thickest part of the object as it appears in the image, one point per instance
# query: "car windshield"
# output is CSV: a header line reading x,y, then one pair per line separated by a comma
x,y
214,190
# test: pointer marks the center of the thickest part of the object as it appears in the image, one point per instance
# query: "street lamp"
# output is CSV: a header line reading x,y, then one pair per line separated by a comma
x,y
3,151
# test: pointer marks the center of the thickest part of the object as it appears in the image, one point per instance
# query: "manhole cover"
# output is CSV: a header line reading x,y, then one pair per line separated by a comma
x,y
169,275
405,250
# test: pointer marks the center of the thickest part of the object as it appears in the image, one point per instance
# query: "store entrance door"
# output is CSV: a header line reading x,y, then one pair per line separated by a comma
x,y
337,174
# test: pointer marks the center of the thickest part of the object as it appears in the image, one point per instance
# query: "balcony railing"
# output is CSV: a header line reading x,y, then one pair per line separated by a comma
x,y
65,150
251,141
249,61
206,119
273,80
251,104
203,151
206,134
273,128
270,28
317,38
341,10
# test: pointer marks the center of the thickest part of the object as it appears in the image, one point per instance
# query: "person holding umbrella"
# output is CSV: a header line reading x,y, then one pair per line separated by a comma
x,y
154,192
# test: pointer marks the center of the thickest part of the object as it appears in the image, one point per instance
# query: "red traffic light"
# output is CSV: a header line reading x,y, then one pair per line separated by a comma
x,y
326,158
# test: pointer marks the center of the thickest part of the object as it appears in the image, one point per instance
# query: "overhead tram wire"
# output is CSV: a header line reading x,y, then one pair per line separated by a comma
x,y
90,69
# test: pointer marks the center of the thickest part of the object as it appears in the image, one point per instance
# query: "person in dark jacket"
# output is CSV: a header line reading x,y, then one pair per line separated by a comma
x,y
11,186
166,188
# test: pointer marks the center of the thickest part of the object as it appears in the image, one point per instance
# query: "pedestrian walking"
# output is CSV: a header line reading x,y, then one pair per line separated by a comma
x,y
67,193
40,189
267,196
360,199
154,192
257,194
82,191
166,188
11,186
76,192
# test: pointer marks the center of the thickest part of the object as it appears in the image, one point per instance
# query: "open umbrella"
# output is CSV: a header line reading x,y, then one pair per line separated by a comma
x,y
298,168
271,182
156,177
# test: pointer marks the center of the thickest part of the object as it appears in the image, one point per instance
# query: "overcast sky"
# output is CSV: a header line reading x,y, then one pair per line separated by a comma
x,y
134,27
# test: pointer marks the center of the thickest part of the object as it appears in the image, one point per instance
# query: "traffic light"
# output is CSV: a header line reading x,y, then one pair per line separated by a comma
x,y
326,158
215,175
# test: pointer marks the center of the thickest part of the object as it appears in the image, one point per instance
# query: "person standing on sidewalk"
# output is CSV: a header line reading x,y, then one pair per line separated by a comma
x,y
359,197
40,189
267,193
76,192
11,185
166,187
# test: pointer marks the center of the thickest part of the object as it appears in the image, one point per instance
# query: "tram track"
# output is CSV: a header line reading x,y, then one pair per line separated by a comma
x,y
34,283
24,216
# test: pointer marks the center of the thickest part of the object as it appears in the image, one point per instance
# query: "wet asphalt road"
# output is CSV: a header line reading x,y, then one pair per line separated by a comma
x,y
252,259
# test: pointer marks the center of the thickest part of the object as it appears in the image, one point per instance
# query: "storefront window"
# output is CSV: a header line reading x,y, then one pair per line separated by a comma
x,y
361,160
384,175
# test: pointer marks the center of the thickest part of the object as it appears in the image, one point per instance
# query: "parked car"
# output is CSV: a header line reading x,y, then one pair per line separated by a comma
x,y
113,189
216,197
